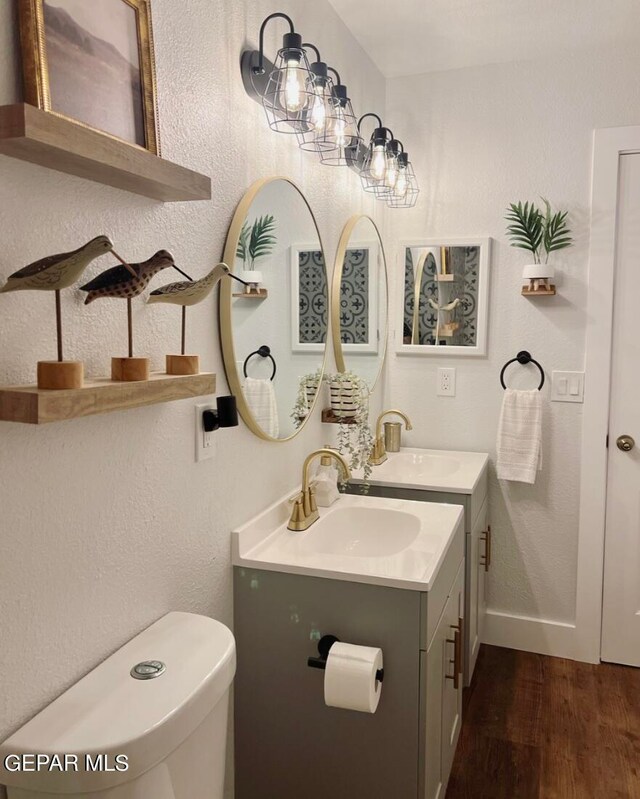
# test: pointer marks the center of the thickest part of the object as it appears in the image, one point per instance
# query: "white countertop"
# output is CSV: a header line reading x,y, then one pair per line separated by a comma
x,y
429,470
390,542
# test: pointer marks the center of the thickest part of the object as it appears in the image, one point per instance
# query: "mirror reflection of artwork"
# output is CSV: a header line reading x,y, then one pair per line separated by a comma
x,y
311,275
359,301
287,321
92,62
354,298
445,297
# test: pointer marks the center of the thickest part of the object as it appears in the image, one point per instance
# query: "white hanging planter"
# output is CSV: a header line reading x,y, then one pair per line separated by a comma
x,y
310,390
343,396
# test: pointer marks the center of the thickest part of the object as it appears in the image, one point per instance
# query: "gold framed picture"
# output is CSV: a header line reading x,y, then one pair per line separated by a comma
x,y
92,61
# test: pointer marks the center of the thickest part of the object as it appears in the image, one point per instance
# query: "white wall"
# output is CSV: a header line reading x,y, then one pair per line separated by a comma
x,y
106,522
481,138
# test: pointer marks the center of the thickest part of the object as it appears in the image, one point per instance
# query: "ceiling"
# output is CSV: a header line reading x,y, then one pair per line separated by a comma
x,y
410,37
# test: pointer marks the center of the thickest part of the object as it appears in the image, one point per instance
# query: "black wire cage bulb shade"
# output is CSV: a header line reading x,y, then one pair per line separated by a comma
x,y
285,87
377,164
405,191
313,126
341,134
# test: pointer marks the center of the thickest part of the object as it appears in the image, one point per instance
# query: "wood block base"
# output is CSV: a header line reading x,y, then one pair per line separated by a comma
x,y
129,370
183,364
57,375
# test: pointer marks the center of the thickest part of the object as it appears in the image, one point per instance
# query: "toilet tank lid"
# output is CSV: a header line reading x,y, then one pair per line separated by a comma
x,y
110,713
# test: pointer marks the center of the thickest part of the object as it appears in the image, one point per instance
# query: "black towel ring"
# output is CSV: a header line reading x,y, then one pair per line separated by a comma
x,y
263,352
524,358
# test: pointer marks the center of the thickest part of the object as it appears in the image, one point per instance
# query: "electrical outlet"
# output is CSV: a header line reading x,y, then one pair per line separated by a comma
x,y
205,442
447,382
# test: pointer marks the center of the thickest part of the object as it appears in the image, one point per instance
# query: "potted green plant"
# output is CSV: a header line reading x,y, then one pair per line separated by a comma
x,y
308,387
540,233
349,395
256,240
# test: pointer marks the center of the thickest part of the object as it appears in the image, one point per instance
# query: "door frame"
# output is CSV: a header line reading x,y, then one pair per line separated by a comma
x,y
609,145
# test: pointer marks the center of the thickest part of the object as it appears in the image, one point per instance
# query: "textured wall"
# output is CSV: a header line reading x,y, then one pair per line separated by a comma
x,y
481,138
107,523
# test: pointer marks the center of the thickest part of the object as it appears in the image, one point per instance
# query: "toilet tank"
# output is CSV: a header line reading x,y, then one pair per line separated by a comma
x,y
160,734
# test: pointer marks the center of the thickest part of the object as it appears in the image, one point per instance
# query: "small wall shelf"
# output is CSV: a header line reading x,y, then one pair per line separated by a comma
x,y
31,405
527,292
42,138
261,294
329,417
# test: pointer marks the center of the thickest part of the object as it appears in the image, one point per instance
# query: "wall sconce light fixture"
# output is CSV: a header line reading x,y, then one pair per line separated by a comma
x,y
303,98
284,87
342,129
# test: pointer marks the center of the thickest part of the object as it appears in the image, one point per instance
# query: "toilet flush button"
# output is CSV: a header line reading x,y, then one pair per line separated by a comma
x,y
148,669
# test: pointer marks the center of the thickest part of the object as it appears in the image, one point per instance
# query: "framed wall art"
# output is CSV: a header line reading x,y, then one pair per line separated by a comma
x,y
93,63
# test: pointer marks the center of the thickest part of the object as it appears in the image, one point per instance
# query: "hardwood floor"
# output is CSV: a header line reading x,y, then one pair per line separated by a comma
x,y
537,727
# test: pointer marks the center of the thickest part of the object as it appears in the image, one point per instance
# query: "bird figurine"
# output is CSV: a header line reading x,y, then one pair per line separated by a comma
x,y
126,282
54,273
186,293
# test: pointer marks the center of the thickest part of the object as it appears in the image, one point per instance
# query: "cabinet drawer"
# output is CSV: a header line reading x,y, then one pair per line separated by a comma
x,y
432,603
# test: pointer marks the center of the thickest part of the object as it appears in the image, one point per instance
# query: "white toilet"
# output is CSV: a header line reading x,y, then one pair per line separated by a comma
x,y
158,707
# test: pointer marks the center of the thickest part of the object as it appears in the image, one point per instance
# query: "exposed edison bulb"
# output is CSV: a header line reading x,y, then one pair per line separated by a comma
x,y
318,112
402,185
340,128
378,162
391,175
294,88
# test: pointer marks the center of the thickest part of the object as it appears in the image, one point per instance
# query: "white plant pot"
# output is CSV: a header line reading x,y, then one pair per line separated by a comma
x,y
311,389
538,275
343,396
254,278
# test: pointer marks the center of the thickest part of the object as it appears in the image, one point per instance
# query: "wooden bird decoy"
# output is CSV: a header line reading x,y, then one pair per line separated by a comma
x,y
186,293
126,282
54,273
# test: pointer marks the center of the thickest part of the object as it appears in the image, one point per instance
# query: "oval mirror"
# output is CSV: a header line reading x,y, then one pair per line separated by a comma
x,y
274,329
359,301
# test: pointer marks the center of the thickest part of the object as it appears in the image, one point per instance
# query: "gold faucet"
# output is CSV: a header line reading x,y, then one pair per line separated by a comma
x,y
305,510
379,453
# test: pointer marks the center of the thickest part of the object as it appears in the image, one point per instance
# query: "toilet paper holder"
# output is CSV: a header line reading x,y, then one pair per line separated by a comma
x,y
324,645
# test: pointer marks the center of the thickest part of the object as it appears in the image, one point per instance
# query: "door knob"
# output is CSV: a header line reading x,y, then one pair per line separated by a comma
x,y
625,443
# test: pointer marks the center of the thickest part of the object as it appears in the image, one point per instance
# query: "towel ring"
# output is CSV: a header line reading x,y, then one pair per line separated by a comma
x,y
263,352
524,358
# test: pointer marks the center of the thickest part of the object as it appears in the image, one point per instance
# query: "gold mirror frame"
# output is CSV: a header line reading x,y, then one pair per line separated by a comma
x,y
227,288
343,246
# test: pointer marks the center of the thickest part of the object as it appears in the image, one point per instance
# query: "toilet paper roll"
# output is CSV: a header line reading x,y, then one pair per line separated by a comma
x,y
350,677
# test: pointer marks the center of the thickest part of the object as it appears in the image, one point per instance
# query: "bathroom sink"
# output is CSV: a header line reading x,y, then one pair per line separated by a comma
x,y
362,532
430,469
393,542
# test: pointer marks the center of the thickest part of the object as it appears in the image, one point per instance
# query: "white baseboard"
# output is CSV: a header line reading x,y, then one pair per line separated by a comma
x,y
542,636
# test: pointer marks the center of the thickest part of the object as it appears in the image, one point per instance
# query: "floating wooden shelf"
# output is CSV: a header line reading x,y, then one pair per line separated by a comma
x,y
51,141
31,405
261,294
329,417
527,292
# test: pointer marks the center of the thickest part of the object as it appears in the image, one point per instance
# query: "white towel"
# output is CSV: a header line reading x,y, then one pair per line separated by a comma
x,y
520,436
261,399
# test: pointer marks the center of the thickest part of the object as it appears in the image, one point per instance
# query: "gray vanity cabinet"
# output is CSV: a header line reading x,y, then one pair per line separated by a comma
x,y
288,743
477,551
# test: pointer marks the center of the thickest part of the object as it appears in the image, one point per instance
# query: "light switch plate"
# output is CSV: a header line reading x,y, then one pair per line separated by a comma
x,y
205,442
567,387
446,382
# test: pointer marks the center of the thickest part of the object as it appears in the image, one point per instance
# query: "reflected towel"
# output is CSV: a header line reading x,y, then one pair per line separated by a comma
x,y
261,399
520,436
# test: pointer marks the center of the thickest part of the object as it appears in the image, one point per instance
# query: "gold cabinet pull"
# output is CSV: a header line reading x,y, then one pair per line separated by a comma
x,y
485,560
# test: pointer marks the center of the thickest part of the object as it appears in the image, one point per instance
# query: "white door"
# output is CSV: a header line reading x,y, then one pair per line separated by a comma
x,y
621,600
